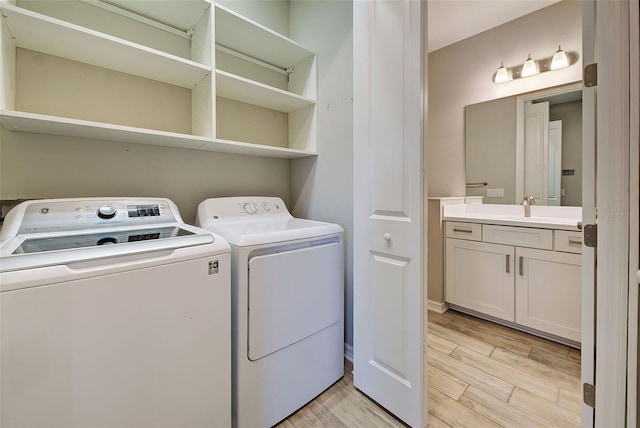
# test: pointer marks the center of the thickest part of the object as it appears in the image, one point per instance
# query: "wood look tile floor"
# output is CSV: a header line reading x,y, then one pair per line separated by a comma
x,y
480,374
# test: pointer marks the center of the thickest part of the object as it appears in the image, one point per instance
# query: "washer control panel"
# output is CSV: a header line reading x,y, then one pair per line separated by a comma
x,y
66,215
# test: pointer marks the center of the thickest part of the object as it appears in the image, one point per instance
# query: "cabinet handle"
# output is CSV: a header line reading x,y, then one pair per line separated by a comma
x,y
455,229
507,263
575,242
521,265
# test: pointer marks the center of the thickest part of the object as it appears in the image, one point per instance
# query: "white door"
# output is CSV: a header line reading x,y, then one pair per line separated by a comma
x,y
536,149
389,309
554,163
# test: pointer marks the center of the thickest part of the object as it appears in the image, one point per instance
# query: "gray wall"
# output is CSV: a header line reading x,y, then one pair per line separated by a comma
x,y
41,166
490,148
322,187
462,73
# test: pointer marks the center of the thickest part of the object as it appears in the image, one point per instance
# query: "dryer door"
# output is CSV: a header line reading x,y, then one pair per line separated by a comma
x,y
292,295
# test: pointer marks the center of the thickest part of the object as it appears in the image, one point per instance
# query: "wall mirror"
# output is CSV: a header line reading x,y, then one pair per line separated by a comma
x,y
529,144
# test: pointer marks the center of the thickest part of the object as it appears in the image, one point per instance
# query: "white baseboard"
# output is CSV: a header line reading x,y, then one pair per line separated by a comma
x,y
348,352
439,307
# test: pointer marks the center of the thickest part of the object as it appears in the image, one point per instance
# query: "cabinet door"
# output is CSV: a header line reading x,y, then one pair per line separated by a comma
x,y
548,292
479,276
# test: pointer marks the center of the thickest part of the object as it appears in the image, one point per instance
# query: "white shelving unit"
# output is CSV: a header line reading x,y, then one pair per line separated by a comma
x,y
258,48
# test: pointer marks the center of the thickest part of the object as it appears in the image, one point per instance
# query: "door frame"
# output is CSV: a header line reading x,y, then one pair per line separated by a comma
x,y
613,200
634,226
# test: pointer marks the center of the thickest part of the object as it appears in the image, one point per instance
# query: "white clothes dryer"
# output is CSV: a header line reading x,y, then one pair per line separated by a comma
x,y
287,305
113,313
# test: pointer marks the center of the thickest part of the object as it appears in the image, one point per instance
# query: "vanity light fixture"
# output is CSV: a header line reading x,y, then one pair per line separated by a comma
x,y
559,60
529,68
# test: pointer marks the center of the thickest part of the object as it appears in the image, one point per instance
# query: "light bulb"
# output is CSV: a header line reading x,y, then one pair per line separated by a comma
x,y
529,68
502,75
559,60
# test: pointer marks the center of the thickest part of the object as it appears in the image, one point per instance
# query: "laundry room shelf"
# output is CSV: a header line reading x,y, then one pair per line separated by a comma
x,y
235,32
53,125
257,97
227,146
41,33
247,91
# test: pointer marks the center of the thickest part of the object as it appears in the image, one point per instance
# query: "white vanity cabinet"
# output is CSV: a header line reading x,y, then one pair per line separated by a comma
x,y
548,292
479,276
189,74
528,277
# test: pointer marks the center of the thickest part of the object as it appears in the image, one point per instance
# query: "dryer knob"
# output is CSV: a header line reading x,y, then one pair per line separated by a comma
x,y
107,211
250,208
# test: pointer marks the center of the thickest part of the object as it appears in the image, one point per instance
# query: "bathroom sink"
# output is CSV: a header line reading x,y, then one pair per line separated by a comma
x,y
527,219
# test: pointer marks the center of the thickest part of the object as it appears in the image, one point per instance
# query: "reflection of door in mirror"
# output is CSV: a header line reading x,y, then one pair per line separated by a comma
x,y
543,154
554,189
536,151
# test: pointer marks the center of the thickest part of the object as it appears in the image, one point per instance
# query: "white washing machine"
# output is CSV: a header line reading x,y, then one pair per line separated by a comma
x,y
113,313
287,305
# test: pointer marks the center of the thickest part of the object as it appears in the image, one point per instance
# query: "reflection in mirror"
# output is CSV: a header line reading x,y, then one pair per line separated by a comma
x,y
549,148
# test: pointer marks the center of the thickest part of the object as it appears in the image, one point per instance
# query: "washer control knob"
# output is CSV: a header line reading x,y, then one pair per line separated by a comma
x,y
250,208
266,206
107,211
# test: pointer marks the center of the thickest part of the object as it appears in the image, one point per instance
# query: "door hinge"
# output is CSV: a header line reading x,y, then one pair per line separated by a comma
x,y
590,235
589,395
590,75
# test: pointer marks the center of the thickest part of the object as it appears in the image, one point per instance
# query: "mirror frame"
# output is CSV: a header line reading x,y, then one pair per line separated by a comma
x,y
521,100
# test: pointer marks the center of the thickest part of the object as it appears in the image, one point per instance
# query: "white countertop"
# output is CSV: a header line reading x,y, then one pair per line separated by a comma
x,y
543,217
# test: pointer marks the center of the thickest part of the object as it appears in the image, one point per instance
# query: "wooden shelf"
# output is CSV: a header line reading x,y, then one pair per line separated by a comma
x,y
41,33
242,35
248,91
53,125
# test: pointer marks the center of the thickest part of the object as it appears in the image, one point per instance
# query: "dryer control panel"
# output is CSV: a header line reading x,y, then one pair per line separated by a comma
x,y
241,207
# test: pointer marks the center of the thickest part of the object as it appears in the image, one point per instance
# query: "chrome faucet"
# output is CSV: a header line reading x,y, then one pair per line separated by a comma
x,y
528,201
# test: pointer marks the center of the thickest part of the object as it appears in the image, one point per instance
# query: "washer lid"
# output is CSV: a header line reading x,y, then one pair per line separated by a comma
x,y
267,230
30,251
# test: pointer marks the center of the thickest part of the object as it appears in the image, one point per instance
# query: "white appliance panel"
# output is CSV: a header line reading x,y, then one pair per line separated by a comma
x,y
116,349
292,295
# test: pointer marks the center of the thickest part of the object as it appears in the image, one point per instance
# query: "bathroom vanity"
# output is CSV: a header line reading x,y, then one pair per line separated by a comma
x,y
521,271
